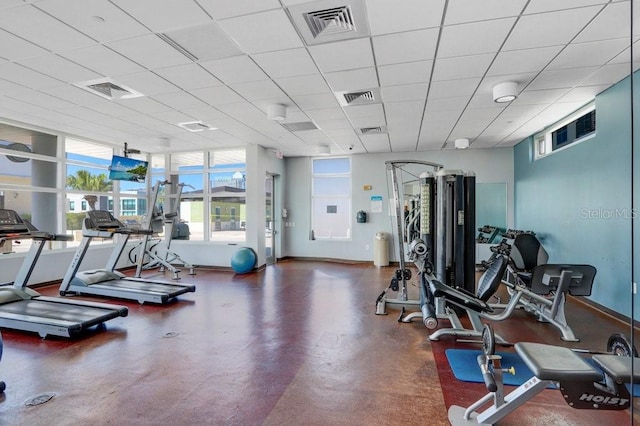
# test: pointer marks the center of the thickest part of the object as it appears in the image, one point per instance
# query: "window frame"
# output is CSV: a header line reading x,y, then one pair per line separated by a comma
x,y
543,144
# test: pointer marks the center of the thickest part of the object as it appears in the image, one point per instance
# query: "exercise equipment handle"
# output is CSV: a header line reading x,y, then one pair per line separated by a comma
x,y
489,380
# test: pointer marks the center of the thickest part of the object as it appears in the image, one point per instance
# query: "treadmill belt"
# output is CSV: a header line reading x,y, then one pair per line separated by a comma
x,y
35,310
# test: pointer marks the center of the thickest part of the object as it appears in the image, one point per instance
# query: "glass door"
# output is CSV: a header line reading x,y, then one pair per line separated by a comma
x,y
270,230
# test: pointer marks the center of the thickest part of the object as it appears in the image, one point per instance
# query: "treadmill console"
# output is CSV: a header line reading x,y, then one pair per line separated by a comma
x,y
103,220
11,223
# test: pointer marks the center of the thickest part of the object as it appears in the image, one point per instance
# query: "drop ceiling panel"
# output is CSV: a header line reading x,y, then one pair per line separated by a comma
x,y
167,14
522,61
461,11
14,48
407,73
60,68
353,79
474,38
207,114
188,76
45,101
537,6
561,78
461,67
588,54
257,90
455,104
376,143
374,111
143,105
533,97
238,69
147,82
453,88
286,63
407,15
612,22
174,117
205,42
405,92
180,100
218,95
333,124
83,15
18,74
343,55
102,60
303,85
549,29
149,51
608,74
262,32
583,94
44,30
326,114
222,9
405,47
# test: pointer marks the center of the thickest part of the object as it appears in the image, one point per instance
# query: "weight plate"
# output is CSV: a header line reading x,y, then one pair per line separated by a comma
x,y
394,284
618,344
488,340
407,274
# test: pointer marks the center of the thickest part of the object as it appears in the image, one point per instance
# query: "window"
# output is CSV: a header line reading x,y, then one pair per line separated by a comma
x,y
578,127
83,205
72,206
331,198
227,176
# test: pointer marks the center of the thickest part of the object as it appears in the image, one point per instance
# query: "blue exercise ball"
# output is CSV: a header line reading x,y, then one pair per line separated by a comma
x,y
243,260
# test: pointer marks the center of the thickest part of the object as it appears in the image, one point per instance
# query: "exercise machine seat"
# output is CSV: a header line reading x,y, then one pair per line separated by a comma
x,y
619,367
492,278
527,253
556,363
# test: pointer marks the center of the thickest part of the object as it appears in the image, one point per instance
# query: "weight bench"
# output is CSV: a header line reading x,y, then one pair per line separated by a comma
x,y
582,385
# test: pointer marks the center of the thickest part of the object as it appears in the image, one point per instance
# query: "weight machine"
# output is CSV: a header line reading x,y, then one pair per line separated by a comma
x,y
149,253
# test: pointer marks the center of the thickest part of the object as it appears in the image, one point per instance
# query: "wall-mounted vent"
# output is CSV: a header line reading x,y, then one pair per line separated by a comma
x,y
326,21
109,89
359,97
195,126
330,21
299,127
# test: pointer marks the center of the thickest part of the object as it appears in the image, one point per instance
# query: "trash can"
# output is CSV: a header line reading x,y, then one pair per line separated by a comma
x,y
381,249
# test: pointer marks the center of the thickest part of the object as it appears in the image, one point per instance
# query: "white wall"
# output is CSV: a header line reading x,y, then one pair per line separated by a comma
x,y
490,166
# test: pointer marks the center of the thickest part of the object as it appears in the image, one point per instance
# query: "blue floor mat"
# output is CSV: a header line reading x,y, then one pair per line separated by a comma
x,y
465,367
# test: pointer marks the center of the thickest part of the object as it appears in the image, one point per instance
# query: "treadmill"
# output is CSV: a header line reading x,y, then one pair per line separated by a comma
x,y
109,282
22,308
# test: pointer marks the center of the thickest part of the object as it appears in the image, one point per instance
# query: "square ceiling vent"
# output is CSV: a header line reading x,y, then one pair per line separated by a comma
x,y
326,21
195,126
359,97
109,89
300,126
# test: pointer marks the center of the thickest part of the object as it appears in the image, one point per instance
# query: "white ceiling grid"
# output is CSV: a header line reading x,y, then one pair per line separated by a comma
x,y
433,63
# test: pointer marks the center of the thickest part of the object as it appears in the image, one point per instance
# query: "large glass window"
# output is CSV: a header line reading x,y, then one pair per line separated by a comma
x,y
187,169
331,198
228,199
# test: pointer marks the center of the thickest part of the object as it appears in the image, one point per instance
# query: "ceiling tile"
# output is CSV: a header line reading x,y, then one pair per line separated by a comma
x,y
407,15
218,95
533,97
583,94
102,60
448,88
207,114
612,22
14,48
549,29
461,11
238,69
149,51
376,143
26,77
147,83
334,124
405,47
588,54
303,85
286,63
407,73
558,79
364,78
179,100
205,42
143,104
343,55
474,38
537,6
83,15
262,32
75,95
461,67
222,9
452,103
358,111
188,76
164,15
327,114
60,68
608,74
521,61
405,92
257,90
320,101
42,29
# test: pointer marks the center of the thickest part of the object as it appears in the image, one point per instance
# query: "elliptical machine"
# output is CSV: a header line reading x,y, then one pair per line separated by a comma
x,y
150,253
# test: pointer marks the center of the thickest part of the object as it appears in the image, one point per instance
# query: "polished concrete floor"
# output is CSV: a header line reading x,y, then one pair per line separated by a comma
x,y
297,343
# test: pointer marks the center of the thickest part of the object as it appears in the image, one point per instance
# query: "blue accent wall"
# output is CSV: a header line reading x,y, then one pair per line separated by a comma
x,y
578,200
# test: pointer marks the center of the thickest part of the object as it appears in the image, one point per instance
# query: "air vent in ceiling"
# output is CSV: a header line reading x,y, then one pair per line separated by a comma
x,y
372,130
301,126
176,46
359,97
109,89
195,126
334,20
326,21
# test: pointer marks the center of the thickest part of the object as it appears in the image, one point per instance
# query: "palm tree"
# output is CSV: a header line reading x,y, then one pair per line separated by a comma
x,y
84,180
